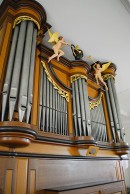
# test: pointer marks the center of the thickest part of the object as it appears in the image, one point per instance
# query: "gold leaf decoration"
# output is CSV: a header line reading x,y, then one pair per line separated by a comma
x,y
18,20
77,76
95,103
108,76
62,92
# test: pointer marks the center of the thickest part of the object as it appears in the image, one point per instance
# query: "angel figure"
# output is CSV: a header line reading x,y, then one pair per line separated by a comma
x,y
58,44
98,70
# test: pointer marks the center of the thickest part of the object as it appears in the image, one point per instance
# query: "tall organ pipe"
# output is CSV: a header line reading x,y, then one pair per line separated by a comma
x,y
82,108
110,116
115,117
78,111
17,69
41,103
117,107
81,112
44,100
74,109
25,71
9,72
30,87
50,107
86,106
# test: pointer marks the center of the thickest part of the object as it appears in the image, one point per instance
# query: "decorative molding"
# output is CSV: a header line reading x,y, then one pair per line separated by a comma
x,y
108,76
95,103
18,20
77,76
62,92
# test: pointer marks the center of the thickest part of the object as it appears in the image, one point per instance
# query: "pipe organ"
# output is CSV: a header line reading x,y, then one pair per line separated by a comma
x,y
60,132
17,92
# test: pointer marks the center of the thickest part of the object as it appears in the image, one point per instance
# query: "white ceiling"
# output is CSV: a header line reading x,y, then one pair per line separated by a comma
x,y
102,29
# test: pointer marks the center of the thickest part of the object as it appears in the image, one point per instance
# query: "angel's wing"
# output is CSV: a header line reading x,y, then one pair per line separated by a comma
x,y
54,37
50,34
105,66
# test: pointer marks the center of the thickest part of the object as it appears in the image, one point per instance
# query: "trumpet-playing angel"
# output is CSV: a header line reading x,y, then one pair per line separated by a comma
x,y
58,44
98,70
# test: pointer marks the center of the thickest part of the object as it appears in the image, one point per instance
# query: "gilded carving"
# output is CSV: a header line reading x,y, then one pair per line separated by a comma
x,y
18,20
108,76
77,76
93,104
62,92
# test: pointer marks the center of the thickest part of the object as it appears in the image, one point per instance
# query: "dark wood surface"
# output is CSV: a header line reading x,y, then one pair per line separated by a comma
x,y
79,186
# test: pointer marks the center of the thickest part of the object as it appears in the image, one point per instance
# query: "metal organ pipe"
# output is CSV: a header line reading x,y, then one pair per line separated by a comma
x,y
32,63
41,103
98,123
17,68
86,107
51,112
53,108
25,72
18,86
117,107
110,116
114,111
74,110
81,112
82,108
44,99
78,108
9,72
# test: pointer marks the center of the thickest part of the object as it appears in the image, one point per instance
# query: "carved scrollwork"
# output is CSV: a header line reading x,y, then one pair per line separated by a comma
x,y
18,20
108,76
62,92
95,103
77,76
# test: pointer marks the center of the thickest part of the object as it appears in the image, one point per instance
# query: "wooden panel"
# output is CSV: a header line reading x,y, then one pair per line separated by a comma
x,y
55,173
8,182
21,179
4,48
2,30
32,182
111,188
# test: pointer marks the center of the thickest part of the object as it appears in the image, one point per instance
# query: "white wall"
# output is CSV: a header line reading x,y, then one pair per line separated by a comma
x,y
100,27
